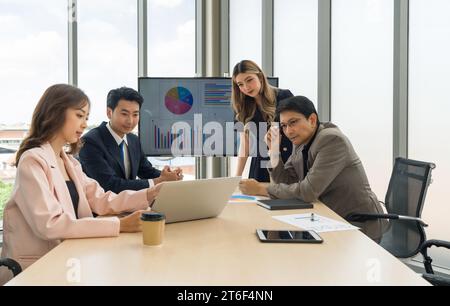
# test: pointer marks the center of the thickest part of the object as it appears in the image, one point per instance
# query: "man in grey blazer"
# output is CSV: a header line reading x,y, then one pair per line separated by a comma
x,y
323,166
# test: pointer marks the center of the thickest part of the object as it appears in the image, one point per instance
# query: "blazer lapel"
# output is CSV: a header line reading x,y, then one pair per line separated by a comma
x,y
114,150
297,162
59,183
312,154
84,210
112,147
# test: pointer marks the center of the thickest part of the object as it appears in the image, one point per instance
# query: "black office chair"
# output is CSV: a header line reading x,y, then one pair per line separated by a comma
x,y
12,265
435,280
404,203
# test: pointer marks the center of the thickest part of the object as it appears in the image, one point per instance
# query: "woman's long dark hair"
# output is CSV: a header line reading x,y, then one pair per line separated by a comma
x,y
49,117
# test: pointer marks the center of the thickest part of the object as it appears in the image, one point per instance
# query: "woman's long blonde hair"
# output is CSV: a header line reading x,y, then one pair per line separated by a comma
x,y
244,110
50,115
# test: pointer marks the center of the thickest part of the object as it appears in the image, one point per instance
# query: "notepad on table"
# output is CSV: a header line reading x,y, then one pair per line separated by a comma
x,y
284,204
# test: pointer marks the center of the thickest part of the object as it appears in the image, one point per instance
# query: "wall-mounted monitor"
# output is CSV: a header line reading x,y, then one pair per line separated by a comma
x,y
188,116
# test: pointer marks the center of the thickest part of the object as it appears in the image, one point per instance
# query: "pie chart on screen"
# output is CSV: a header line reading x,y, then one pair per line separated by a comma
x,y
179,100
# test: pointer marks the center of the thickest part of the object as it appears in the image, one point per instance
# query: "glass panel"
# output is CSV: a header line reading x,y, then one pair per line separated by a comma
x,y
245,31
107,50
171,35
429,110
295,46
33,56
362,82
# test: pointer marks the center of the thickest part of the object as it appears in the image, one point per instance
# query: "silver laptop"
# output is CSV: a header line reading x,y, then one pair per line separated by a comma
x,y
193,200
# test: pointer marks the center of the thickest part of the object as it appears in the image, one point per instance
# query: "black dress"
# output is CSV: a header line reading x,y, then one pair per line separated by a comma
x,y
258,170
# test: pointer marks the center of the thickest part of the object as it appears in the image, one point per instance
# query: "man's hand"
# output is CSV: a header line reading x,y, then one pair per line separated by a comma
x,y
273,137
179,173
253,187
168,175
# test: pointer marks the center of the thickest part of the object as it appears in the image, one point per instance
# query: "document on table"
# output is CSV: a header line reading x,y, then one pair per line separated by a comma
x,y
315,223
240,198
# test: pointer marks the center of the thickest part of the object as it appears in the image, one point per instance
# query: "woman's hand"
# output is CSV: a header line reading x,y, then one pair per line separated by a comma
x,y
131,223
153,192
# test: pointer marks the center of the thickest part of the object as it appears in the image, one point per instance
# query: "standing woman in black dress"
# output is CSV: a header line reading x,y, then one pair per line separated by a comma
x,y
255,100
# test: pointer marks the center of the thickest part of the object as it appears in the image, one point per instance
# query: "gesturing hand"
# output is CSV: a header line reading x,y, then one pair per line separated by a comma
x,y
272,137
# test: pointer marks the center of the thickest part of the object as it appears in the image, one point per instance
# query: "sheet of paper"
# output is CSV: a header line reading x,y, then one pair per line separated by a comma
x,y
316,223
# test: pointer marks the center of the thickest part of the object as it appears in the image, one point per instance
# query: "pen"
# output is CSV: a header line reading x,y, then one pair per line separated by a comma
x,y
311,218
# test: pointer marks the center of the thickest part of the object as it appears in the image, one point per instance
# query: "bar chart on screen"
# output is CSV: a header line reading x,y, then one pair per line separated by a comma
x,y
217,95
166,137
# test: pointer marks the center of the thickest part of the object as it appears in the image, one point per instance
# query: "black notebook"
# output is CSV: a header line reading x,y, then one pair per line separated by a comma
x,y
284,204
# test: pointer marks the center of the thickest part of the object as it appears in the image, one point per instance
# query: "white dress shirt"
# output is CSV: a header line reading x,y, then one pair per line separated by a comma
x,y
126,156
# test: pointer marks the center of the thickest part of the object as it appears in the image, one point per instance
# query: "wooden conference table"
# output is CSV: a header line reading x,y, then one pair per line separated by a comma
x,y
222,251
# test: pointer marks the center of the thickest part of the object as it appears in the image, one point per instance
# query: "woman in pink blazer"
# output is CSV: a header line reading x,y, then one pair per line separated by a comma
x,y
53,199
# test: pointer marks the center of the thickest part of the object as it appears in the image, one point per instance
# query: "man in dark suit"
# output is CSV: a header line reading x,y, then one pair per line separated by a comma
x,y
113,156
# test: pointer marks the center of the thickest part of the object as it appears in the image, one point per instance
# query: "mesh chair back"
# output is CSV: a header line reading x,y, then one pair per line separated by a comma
x,y
406,196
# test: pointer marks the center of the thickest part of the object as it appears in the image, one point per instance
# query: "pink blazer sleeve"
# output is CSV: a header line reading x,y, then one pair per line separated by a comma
x,y
43,212
108,203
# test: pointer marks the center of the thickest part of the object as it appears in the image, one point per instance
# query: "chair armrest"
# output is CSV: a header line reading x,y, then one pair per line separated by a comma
x,y
435,243
414,219
427,260
11,265
369,217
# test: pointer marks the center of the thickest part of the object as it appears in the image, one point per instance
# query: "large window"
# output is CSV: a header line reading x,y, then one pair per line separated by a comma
x,y
33,56
245,31
171,43
107,50
171,36
362,82
245,43
429,108
295,46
